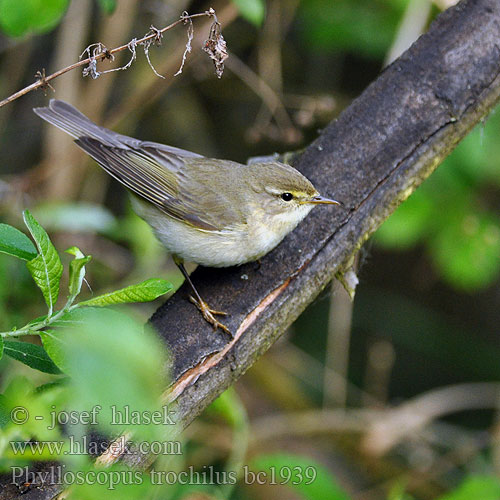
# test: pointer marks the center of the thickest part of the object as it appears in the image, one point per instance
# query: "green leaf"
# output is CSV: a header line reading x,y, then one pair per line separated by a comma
x,y
21,394
76,270
30,354
107,6
467,250
75,217
304,475
409,224
53,344
37,16
142,292
14,242
1,347
55,340
229,406
253,11
363,27
476,488
46,267
4,412
112,360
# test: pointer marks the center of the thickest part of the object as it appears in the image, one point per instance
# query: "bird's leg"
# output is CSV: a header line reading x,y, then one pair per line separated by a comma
x,y
207,313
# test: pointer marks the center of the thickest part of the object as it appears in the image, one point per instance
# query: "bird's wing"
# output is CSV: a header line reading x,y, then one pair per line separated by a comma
x,y
155,172
187,192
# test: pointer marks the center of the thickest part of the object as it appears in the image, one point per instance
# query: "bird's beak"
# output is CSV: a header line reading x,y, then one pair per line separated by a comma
x,y
316,200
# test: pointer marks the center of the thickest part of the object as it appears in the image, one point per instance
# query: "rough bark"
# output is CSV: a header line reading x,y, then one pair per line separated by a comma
x,y
373,157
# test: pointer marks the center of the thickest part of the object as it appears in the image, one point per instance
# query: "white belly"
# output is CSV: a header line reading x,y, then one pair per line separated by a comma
x,y
218,248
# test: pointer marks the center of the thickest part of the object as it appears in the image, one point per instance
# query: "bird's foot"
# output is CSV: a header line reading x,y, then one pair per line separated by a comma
x,y
209,315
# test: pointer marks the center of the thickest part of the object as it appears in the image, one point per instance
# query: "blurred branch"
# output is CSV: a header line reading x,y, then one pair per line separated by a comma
x,y
71,36
401,422
60,182
411,27
337,348
98,53
270,98
372,158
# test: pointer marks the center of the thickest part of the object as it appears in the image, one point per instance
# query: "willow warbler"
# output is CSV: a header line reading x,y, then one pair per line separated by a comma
x,y
216,213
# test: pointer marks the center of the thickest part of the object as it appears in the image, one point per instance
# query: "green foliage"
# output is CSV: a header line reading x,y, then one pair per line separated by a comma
x,y
461,235
142,292
228,406
114,365
363,26
467,250
409,224
78,217
20,403
76,270
107,6
46,268
117,482
32,355
113,361
18,18
476,488
253,11
13,242
307,477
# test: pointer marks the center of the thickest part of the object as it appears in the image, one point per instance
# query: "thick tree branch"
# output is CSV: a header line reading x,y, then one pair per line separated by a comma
x,y
372,158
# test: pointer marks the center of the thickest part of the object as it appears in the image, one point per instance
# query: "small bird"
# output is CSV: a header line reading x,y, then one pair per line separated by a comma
x,y
216,213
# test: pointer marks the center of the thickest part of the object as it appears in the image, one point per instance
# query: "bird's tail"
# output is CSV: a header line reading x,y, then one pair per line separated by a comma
x,y
76,124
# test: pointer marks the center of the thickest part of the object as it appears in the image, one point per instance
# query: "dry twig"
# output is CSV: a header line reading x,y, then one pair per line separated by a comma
x,y
98,52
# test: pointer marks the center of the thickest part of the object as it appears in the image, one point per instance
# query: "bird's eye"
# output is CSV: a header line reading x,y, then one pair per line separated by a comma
x,y
287,196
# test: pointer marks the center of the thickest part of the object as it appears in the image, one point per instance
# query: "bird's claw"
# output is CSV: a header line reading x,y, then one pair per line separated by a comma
x,y
209,315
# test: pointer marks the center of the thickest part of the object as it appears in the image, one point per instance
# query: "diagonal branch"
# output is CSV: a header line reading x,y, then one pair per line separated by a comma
x,y
372,158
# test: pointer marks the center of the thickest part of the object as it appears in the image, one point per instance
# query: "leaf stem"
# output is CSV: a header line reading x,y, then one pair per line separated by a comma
x,y
33,328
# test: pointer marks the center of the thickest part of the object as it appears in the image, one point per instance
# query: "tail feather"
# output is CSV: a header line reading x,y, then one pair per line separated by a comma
x,y
76,124
67,118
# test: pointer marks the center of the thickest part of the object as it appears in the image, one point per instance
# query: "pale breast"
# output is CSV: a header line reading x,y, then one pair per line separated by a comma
x,y
220,248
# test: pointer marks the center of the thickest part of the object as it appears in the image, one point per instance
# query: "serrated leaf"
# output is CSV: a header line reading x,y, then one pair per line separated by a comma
x,y
30,354
14,242
142,292
253,11
46,268
53,344
76,270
